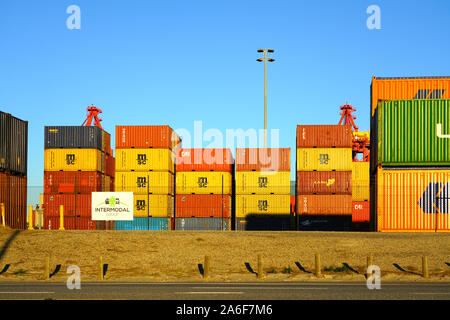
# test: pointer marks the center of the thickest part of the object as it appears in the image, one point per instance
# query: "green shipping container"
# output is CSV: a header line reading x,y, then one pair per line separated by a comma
x,y
412,133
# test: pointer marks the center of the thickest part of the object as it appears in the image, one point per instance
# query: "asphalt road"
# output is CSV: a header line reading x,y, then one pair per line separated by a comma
x,y
225,291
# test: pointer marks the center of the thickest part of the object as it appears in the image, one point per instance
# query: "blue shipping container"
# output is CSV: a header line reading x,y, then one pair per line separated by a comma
x,y
154,224
202,224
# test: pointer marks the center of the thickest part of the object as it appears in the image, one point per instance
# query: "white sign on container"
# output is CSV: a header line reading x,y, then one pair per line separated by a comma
x,y
117,206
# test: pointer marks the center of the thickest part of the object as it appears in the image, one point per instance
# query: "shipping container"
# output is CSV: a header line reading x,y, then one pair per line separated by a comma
x,y
413,200
147,137
74,204
203,206
74,160
13,195
145,160
313,204
324,182
153,224
205,160
107,185
70,223
292,204
202,224
324,136
361,170
360,190
325,222
263,182
110,165
211,182
412,133
73,182
263,159
13,144
151,182
408,88
262,205
324,159
264,223
153,205
74,137
360,211
105,225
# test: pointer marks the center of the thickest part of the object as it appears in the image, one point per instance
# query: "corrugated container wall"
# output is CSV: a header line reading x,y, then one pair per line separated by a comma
x,y
262,205
205,224
203,182
73,137
324,136
147,137
205,160
263,182
413,200
13,144
74,160
151,182
145,160
324,182
324,159
413,133
154,224
159,206
13,195
263,159
324,204
73,182
203,206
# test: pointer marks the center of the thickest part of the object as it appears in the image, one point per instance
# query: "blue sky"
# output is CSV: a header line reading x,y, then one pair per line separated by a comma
x,y
174,62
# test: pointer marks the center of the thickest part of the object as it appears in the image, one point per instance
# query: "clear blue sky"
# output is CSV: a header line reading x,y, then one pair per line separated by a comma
x,y
173,62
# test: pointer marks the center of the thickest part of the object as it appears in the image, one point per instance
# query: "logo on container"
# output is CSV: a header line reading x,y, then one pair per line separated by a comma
x,y
141,182
263,205
141,159
324,158
202,182
262,182
70,159
140,205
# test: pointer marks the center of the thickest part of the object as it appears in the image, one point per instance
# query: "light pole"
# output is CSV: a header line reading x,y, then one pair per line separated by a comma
x,y
265,59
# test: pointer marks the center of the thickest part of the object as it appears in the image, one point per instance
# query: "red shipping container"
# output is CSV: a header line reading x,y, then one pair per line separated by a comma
x,y
70,223
13,195
204,160
147,137
74,204
73,182
324,136
324,182
324,204
203,206
112,185
263,159
360,211
292,204
110,165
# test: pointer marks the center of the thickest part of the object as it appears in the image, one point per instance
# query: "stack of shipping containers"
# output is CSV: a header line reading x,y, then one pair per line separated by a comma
x,y
145,165
74,167
263,189
410,158
360,194
324,175
204,189
13,170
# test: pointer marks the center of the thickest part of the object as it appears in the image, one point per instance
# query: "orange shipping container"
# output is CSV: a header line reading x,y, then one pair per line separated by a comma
x,y
324,136
408,88
147,137
413,200
203,206
263,159
205,160
324,182
324,204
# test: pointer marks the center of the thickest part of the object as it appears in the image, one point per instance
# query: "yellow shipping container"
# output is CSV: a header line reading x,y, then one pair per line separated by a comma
x,y
360,190
324,159
260,182
107,184
262,205
145,160
159,206
74,160
196,182
361,171
151,182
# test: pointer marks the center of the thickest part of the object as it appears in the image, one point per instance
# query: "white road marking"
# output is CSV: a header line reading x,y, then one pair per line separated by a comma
x,y
209,292
261,288
431,293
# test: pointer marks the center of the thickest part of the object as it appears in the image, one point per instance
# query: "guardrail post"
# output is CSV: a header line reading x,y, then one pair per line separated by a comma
x,y
100,268
425,267
30,217
318,271
3,214
206,268
260,267
47,268
369,263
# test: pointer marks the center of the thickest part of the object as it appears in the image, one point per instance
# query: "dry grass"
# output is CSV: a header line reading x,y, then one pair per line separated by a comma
x,y
175,255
